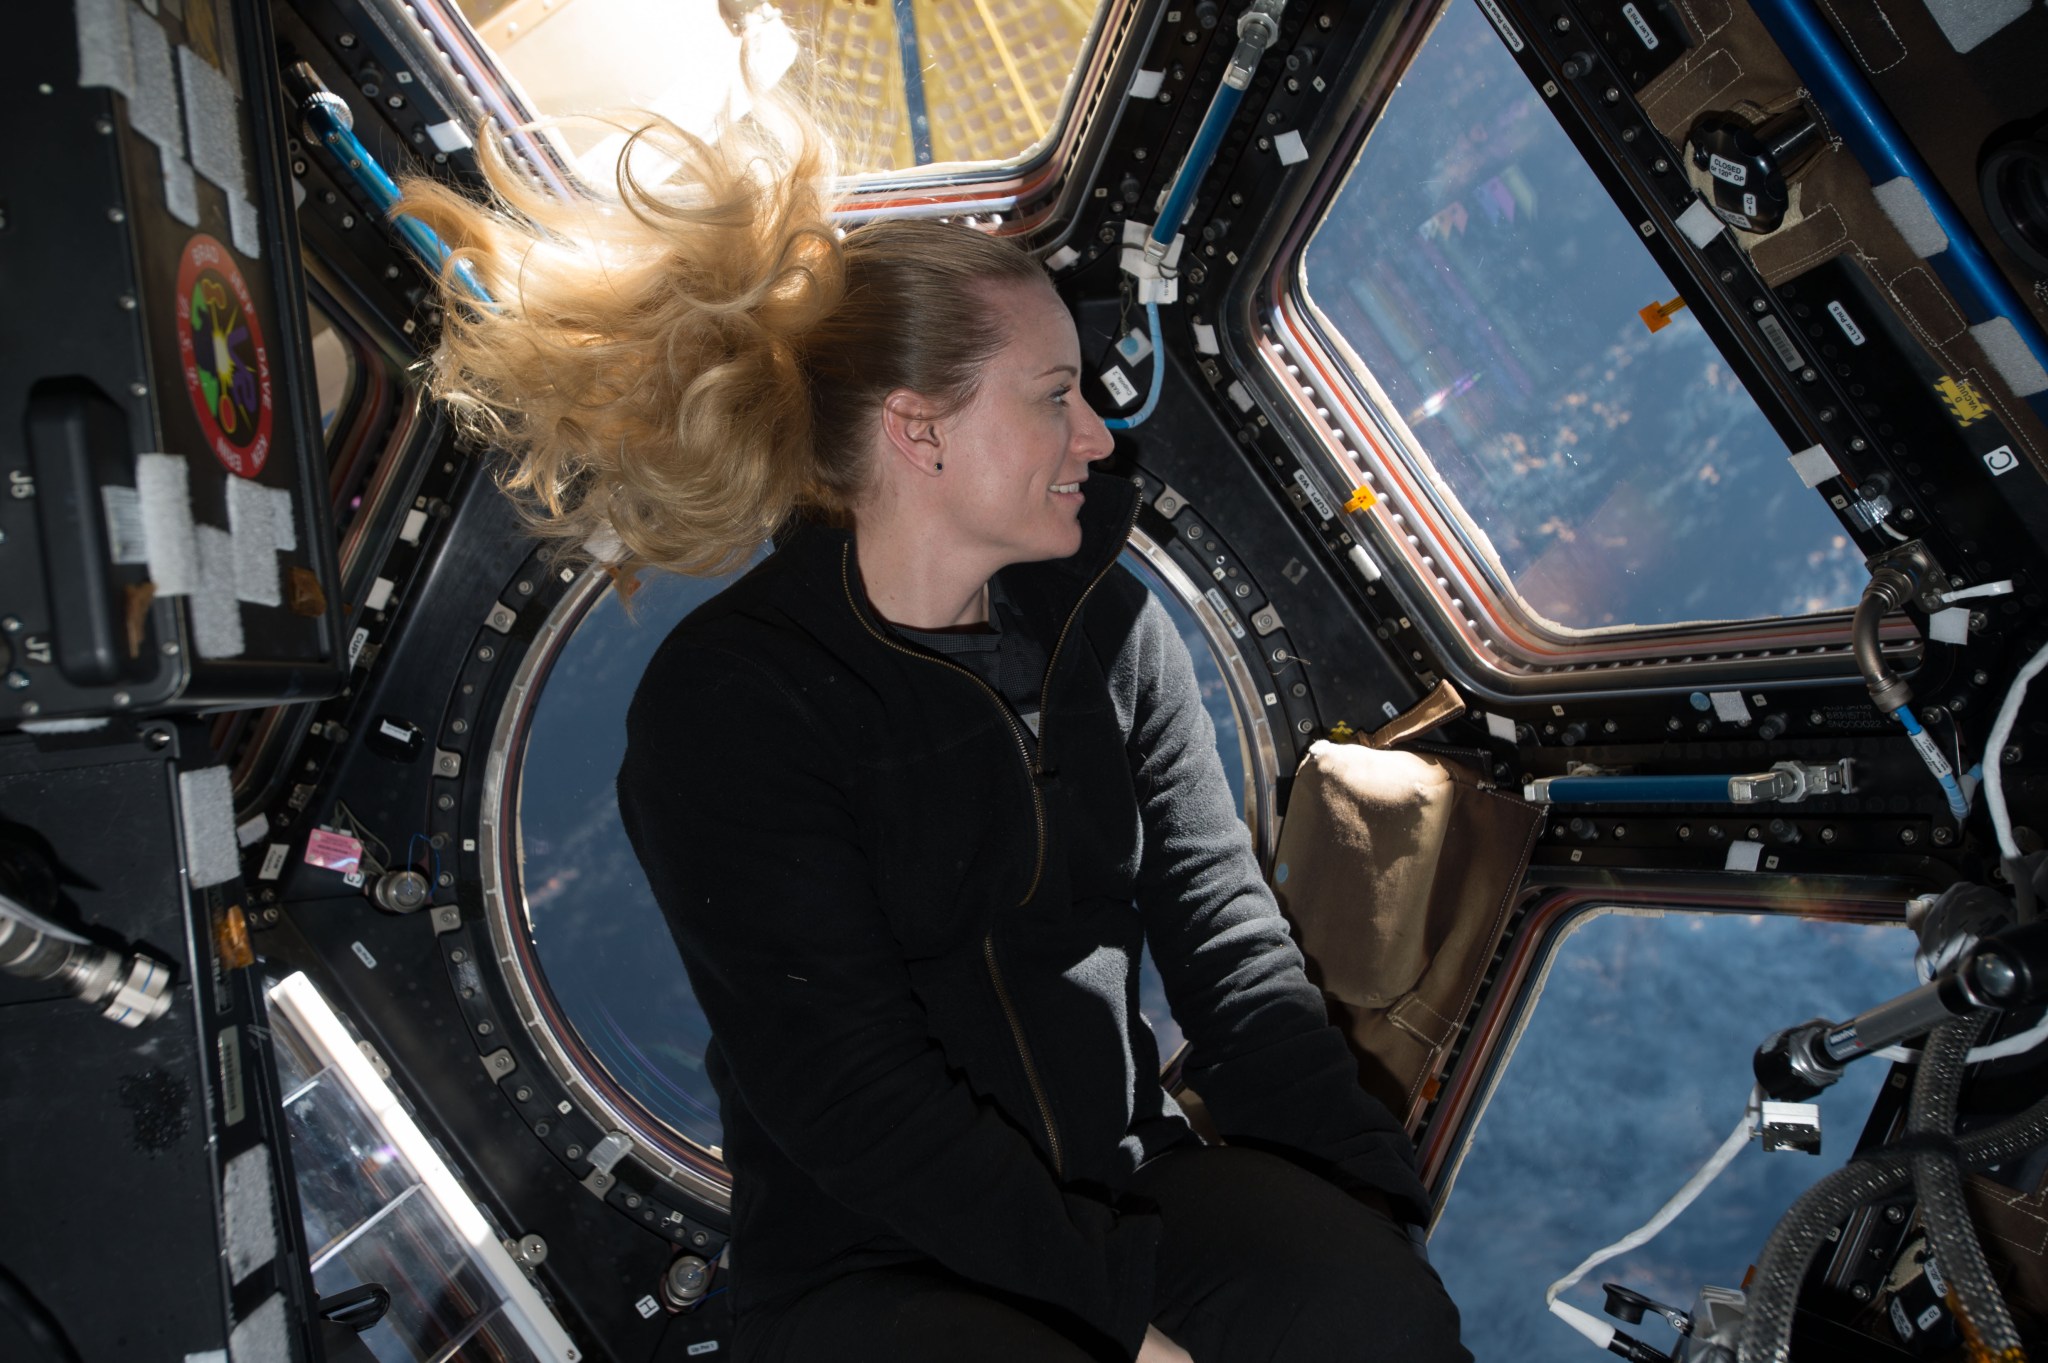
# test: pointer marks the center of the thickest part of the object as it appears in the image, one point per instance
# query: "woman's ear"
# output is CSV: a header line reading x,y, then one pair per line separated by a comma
x,y
911,430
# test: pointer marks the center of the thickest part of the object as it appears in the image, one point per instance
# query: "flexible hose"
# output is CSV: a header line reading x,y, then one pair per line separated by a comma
x,y
1781,1269
1888,589
1938,1183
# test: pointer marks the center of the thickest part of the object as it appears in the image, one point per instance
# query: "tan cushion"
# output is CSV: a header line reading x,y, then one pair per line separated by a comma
x,y
1397,870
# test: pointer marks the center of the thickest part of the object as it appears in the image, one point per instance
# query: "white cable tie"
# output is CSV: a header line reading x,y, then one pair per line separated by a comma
x,y
1669,1212
2002,588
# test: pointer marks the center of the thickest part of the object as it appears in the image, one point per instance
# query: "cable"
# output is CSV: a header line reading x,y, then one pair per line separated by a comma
x,y
1930,753
1591,1326
1994,755
1137,418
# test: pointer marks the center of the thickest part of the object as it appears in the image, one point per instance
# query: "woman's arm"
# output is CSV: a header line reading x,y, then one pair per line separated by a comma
x,y
729,794
1264,1058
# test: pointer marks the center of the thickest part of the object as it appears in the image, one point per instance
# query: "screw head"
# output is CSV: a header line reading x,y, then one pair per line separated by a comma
x,y
2011,755
1827,835
1909,836
1943,836
1860,1291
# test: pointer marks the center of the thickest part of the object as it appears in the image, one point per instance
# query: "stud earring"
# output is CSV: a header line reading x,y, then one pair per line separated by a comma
x,y
938,468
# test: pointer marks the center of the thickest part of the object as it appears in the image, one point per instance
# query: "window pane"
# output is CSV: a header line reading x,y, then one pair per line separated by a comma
x,y
334,367
601,940
1633,1068
987,77
1487,283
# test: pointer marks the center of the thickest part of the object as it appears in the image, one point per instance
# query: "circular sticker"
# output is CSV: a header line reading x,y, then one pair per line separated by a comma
x,y
227,367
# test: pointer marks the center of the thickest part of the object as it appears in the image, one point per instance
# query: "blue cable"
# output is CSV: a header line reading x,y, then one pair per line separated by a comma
x,y
1137,418
1958,804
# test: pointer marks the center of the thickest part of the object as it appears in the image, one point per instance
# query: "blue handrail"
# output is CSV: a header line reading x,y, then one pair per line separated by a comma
x,y
1875,138
327,120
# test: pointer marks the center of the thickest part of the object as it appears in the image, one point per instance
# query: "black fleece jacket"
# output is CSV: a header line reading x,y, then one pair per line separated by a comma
x,y
915,932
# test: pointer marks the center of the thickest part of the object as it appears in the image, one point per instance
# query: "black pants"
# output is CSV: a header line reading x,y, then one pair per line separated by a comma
x,y
1259,1262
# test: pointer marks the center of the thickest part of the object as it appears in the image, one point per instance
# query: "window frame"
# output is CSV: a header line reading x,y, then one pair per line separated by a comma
x,y
1037,188
1425,549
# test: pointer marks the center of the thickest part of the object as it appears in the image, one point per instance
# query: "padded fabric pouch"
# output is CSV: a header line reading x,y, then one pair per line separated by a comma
x,y
1397,871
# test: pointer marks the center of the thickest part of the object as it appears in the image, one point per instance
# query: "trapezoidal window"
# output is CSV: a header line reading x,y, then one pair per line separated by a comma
x,y
961,85
1630,1064
1480,290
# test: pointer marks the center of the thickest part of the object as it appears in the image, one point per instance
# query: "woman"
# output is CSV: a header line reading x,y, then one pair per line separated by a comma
x,y
912,793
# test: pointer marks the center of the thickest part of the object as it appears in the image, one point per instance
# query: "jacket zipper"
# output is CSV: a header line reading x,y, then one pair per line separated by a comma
x,y
1052,660
988,943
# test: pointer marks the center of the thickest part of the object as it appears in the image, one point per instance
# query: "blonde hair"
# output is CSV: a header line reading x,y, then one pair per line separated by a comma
x,y
690,363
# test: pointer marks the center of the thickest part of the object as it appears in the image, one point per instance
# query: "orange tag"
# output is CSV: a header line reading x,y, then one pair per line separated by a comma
x,y
1362,499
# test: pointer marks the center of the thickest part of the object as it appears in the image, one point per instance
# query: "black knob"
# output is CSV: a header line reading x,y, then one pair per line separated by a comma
x,y
1751,167
1624,1305
1208,13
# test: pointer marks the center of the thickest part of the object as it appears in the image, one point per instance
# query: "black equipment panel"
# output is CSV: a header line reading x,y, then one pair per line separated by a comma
x,y
151,1211
165,538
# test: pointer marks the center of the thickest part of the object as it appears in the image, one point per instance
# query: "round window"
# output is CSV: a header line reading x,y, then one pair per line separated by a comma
x,y
605,970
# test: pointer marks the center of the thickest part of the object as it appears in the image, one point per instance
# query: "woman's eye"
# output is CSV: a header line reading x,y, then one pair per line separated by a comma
x,y
1060,395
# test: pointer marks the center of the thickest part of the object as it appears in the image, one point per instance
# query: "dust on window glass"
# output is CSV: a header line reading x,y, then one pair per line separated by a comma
x,y
334,367
600,939
1633,1067
901,83
1480,275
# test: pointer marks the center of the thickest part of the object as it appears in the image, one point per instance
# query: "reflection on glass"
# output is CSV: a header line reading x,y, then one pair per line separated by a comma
x,y
600,939
1486,282
438,1297
334,367
1633,1068
377,1205
902,84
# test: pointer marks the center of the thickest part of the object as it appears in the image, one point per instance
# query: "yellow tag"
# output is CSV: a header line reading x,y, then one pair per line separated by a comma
x,y
1362,499
1340,732
1964,402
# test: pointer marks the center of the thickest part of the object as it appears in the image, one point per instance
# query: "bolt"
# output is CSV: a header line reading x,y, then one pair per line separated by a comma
x,y
445,879
1684,831
1895,1214
103,126
1827,835
632,1199
158,738
127,302
2011,755
17,680
458,955
1306,726
1106,233
1660,165
11,623
1944,835
1908,836
1674,724
486,653
444,802
117,215
574,1152
1810,376
1564,24
1752,832
1611,726
1620,831
348,221
1759,305
347,40
1611,95
1323,21
1816,717
1860,1291
1978,621
485,1028
460,726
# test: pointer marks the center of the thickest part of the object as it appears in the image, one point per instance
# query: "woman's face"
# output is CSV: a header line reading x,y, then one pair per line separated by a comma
x,y
1016,455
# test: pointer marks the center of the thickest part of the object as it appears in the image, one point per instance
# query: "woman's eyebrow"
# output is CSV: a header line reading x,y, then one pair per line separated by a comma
x,y
1060,369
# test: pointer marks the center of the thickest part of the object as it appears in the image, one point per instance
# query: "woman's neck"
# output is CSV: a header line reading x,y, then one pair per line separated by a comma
x,y
917,582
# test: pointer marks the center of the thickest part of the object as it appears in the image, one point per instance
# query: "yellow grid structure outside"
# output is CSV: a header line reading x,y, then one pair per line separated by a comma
x,y
994,72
